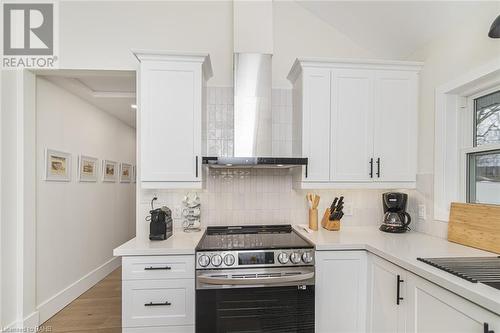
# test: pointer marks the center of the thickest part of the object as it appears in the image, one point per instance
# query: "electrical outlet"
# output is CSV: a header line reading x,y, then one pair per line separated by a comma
x,y
421,211
177,212
348,209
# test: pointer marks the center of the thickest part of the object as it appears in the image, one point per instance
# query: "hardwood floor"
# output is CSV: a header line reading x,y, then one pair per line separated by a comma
x,y
97,310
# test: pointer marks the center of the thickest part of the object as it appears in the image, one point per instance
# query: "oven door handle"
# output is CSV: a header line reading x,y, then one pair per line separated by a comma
x,y
255,281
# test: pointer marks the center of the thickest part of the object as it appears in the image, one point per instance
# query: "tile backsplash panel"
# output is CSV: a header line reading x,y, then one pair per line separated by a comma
x,y
220,124
262,196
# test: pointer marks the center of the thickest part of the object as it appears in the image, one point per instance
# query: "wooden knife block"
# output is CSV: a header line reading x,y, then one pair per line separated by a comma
x,y
329,225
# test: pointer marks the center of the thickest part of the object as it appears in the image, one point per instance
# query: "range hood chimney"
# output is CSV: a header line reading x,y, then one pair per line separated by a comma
x,y
252,64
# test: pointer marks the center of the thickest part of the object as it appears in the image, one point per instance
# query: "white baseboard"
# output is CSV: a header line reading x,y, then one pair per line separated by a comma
x,y
57,302
29,322
32,321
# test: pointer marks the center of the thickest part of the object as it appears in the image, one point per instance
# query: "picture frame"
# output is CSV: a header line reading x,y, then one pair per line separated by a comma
x,y
109,171
88,168
125,172
57,166
135,173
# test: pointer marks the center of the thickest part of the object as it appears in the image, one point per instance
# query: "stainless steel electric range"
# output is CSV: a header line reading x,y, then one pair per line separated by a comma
x,y
254,279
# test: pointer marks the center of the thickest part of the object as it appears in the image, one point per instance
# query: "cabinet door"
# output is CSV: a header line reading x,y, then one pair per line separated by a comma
x,y
395,126
432,309
340,291
385,315
170,121
316,123
351,125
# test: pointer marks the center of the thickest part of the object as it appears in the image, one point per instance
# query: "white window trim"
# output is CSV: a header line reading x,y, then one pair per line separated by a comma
x,y
450,143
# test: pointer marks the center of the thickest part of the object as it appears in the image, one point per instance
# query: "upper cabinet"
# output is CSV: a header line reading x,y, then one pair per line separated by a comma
x,y
356,121
171,97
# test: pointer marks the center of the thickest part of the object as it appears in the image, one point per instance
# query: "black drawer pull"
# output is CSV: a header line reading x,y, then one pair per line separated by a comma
x,y
158,304
151,268
398,297
487,328
371,167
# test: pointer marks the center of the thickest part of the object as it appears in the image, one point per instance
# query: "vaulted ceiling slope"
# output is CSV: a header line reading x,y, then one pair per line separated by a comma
x,y
395,29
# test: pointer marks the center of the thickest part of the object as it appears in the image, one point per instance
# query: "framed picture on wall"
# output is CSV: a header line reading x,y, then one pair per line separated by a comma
x,y
57,166
109,171
125,173
134,173
87,168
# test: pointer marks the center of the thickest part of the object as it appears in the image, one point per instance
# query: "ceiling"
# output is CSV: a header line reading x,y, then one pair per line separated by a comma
x,y
395,29
110,91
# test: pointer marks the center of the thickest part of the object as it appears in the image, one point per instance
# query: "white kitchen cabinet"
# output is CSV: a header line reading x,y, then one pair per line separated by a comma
x,y
158,294
395,126
170,96
340,291
358,128
316,127
424,307
431,309
386,313
351,125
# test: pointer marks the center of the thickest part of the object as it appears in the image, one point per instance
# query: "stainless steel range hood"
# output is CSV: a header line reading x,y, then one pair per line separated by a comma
x,y
253,116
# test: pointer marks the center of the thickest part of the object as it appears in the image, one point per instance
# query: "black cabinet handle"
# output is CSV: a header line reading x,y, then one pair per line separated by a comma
x,y
398,293
158,304
371,167
487,328
378,167
306,170
151,268
196,166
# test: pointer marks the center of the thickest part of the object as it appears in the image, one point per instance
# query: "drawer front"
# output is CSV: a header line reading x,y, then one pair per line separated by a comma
x,y
158,303
158,267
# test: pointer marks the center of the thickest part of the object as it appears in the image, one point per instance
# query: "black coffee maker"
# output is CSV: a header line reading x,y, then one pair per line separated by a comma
x,y
160,227
396,219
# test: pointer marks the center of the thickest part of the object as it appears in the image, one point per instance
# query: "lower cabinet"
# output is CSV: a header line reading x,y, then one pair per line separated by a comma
x,y
431,308
158,294
340,291
400,301
386,296
358,291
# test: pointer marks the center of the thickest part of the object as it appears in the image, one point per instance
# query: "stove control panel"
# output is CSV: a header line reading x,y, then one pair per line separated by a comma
x,y
254,258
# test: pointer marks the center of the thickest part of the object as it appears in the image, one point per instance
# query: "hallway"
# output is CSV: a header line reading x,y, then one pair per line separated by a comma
x,y
97,310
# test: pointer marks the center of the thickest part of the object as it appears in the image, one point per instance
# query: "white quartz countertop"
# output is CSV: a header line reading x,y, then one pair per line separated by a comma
x,y
403,250
179,243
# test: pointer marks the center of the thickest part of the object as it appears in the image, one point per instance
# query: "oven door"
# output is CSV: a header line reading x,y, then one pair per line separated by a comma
x,y
255,300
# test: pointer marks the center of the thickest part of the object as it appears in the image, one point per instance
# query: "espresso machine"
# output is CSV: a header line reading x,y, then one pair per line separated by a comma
x,y
396,219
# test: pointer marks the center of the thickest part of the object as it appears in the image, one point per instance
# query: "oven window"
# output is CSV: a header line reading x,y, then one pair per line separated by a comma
x,y
252,310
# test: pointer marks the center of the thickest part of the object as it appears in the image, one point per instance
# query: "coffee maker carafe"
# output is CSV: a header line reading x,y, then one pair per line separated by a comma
x,y
396,219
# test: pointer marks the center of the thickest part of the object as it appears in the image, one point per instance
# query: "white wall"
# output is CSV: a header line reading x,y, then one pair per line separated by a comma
x,y
298,33
8,241
78,224
446,58
94,34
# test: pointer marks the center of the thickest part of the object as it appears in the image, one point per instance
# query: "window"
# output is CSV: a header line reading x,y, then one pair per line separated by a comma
x,y
483,161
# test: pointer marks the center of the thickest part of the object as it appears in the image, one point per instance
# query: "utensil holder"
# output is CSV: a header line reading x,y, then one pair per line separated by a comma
x,y
313,218
329,225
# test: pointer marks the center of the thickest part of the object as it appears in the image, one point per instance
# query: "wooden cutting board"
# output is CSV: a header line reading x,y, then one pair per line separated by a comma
x,y
475,225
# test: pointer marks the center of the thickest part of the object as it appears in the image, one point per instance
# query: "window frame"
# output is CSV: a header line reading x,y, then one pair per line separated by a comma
x,y
468,137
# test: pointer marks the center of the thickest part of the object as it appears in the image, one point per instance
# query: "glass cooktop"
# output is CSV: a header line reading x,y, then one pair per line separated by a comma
x,y
251,238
